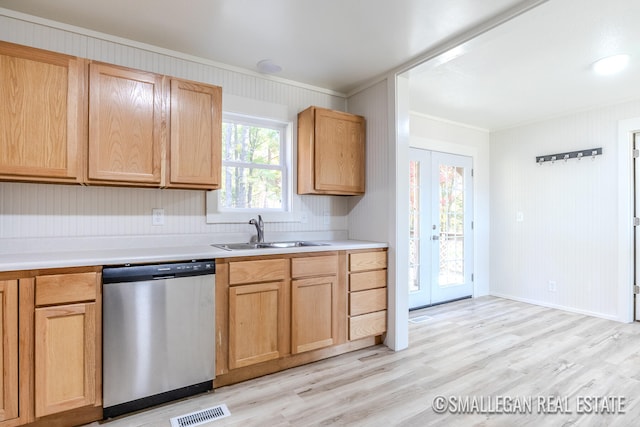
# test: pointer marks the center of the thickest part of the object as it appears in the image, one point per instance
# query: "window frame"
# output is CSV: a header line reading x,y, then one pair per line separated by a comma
x,y
267,112
284,165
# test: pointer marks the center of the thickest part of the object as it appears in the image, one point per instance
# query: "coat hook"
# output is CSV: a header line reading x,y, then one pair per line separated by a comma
x,y
579,154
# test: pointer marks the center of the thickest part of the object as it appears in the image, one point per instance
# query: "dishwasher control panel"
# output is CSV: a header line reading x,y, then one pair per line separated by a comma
x,y
138,272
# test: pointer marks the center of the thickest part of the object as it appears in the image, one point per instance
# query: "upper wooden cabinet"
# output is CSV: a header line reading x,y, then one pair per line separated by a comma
x,y
126,136
41,115
196,135
130,113
331,152
66,119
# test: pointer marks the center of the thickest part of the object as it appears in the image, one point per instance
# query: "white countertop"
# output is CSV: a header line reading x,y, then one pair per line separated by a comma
x,y
79,258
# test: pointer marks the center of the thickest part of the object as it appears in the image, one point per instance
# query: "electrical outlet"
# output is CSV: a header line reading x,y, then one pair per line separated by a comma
x,y
304,217
553,286
157,216
519,216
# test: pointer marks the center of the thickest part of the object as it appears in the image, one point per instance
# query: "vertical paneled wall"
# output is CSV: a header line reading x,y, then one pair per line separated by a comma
x,y
558,222
368,219
43,210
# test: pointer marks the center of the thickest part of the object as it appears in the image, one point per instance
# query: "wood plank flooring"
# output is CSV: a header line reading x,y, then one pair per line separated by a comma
x,y
480,350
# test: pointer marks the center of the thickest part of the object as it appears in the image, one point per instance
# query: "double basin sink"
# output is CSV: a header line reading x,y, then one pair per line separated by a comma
x,y
267,245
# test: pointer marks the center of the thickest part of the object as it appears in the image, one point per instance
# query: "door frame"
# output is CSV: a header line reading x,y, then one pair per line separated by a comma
x,y
427,251
626,130
465,140
461,150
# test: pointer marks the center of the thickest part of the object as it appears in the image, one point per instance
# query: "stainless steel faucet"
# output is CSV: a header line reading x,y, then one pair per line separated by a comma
x,y
259,227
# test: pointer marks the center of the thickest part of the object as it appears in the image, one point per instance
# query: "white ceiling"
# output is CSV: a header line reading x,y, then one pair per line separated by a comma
x,y
333,44
532,67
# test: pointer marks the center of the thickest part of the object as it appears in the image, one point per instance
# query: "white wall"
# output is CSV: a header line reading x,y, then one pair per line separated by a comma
x,y
372,216
36,211
368,213
569,234
430,133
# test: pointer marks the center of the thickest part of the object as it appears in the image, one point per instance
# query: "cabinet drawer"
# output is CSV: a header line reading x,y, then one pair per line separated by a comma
x,y
257,271
367,325
367,301
367,261
314,266
367,280
66,288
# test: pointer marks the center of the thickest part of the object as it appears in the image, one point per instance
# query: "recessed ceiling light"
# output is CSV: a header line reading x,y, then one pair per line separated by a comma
x,y
611,64
267,66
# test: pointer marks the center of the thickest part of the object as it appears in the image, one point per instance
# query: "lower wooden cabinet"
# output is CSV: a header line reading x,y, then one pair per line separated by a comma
x,y
65,360
67,348
313,311
51,348
256,323
280,311
314,302
258,310
9,388
367,293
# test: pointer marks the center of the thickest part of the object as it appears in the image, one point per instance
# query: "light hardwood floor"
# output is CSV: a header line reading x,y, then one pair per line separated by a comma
x,y
486,348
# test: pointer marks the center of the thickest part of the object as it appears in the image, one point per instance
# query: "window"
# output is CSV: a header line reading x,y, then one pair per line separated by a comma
x,y
254,165
258,184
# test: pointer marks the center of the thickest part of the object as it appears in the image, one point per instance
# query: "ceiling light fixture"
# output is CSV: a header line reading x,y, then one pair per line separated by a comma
x,y
267,66
611,64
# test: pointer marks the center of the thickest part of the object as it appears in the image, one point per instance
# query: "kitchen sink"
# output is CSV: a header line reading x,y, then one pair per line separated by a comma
x,y
267,245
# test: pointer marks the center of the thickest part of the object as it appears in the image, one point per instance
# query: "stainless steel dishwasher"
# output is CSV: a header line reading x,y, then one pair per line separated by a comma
x,y
158,334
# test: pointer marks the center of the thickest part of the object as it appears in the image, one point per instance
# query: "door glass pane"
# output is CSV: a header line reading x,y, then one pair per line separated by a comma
x,y
414,226
451,226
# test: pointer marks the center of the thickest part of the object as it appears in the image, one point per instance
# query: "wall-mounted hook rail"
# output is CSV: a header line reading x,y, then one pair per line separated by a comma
x,y
592,152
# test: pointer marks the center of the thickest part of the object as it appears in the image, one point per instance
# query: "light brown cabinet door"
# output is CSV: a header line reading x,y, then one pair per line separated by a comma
x,y
9,350
196,134
313,313
126,137
65,359
331,152
339,152
256,323
41,115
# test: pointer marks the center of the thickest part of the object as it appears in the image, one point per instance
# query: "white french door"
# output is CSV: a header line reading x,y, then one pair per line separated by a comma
x,y
440,227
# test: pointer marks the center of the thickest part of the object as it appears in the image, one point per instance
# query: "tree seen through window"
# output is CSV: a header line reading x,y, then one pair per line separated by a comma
x,y
253,166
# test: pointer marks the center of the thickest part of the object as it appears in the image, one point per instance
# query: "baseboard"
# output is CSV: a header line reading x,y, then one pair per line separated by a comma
x,y
559,307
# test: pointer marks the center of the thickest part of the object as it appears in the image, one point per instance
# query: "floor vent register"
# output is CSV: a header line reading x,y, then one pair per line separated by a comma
x,y
420,319
200,417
